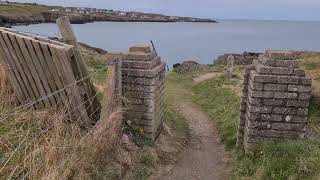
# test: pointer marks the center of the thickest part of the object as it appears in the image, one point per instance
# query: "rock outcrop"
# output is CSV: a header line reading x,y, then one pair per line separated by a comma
x,y
190,66
239,59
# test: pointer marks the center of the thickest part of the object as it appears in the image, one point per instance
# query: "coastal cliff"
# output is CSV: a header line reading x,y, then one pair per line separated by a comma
x,y
26,13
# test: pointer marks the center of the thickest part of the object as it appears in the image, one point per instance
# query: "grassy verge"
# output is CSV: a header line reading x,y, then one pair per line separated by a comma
x,y
296,159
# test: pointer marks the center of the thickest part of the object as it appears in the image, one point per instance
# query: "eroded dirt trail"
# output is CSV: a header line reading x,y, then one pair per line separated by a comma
x,y
204,158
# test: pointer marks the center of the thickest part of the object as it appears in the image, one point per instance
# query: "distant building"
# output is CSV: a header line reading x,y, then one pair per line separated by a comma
x,y
133,15
145,17
122,14
68,10
173,18
4,2
54,10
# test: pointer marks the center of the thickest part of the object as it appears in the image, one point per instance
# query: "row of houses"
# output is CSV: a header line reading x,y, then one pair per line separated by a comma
x,y
89,11
115,13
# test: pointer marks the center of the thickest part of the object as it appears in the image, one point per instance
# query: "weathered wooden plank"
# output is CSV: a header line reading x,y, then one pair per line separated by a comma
x,y
11,75
78,66
55,73
42,77
59,57
13,67
109,93
36,37
14,58
34,73
47,71
31,83
119,76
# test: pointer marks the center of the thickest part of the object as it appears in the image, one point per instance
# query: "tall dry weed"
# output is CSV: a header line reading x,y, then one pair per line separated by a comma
x,y
46,145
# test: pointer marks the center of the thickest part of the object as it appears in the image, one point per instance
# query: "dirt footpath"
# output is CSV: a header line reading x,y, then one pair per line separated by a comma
x,y
204,158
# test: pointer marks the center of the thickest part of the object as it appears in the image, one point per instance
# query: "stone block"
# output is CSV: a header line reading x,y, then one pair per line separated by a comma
x,y
141,108
285,95
283,55
139,56
302,111
285,110
254,101
297,103
261,69
273,102
296,119
253,116
129,115
143,73
264,78
146,102
141,88
261,94
260,109
141,64
304,96
288,80
298,88
245,89
141,81
275,87
299,73
140,48
271,117
305,81
279,63
281,71
259,125
249,68
256,86
289,127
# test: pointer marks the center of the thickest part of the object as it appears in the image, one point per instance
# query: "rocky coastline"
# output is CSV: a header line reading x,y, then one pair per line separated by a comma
x,y
46,15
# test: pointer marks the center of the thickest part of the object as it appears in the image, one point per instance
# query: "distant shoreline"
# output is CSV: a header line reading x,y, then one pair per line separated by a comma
x,y
31,13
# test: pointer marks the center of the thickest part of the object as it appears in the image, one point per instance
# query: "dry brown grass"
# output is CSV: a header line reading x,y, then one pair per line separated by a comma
x,y
45,145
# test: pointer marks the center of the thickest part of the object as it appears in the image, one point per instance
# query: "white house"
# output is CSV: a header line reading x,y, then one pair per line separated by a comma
x,y
54,10
122,14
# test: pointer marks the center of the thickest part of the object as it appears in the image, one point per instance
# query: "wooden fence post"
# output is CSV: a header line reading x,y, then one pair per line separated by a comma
x,y
113,89
80,71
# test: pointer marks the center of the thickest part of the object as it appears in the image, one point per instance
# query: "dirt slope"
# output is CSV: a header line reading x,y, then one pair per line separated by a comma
x,y
204,157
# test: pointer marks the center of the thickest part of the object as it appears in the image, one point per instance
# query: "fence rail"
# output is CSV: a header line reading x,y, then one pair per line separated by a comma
x,y
37,68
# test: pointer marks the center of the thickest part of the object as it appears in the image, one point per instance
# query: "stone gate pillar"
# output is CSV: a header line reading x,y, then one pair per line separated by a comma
x,y
143,86
275,100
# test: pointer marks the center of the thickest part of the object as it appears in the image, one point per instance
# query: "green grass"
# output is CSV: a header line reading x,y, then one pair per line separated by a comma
x,y
222,105
147,164
175,121
295,159
311,65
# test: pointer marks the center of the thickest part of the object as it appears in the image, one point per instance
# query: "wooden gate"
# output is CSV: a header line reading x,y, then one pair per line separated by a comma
x,y
40,71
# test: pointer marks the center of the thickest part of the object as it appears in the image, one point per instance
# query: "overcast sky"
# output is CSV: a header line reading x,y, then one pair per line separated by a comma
x,y
220,9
